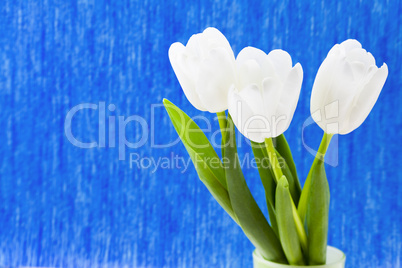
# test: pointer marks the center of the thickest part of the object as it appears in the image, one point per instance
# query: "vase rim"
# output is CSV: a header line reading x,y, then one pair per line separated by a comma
x,y
341,257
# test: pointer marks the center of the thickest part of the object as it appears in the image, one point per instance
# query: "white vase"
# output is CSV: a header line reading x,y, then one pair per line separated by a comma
x,y
335,259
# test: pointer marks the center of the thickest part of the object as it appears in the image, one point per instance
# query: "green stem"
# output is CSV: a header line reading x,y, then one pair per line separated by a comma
x,y
273,159
326,139
302,209
222,123
322,150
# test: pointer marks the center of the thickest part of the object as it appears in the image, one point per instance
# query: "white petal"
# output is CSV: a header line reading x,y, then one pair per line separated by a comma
x,y
291,91
216,76
299,71
185,75
271,94
340,98
333,87
253,66
249,73
350,44
233,106
369,74
281,61
359,70
200,44
370,59
336,51
285,107
292,85
246,121
322,82
281,120
248,53
216,39
366,100
196,46
360,55
253,97
257,128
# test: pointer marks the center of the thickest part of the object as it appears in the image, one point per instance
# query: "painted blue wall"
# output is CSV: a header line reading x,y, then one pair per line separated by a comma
x,y
61,205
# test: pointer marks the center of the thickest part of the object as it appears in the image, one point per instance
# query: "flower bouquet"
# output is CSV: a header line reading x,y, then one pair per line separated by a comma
x,y
260,92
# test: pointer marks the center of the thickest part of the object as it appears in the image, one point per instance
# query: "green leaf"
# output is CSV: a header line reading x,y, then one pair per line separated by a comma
x,y
286,224
294,185
295,189
267,179
302,206
195,140
282,146
317,215
285,155
251,219
207,163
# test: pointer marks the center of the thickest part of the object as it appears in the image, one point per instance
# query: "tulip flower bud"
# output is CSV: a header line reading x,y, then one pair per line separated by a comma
x,y
264,99
346,88
205,68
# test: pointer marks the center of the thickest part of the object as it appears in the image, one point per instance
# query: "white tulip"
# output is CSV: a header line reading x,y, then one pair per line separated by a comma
x,y
205,68
264,100
346,88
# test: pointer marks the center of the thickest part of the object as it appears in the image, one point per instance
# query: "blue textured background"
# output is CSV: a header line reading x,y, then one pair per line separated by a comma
x,y
65,206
